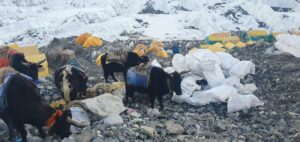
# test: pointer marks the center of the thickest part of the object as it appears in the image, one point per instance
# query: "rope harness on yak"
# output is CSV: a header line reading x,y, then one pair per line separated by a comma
x,y
52,119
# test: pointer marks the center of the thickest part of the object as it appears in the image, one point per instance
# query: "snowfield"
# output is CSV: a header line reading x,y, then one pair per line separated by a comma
x,y
39,21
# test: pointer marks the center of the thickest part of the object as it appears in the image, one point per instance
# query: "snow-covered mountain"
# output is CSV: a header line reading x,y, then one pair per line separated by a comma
x,y
39,21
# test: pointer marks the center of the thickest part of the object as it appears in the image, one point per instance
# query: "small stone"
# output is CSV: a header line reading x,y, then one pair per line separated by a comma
x,y
84,137
135,114
176,115
98,139
121,138
153,112
34,139
113,119
148,131
282,125
174,128
50,87
221,126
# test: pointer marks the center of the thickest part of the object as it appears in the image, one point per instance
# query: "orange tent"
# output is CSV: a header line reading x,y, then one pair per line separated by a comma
x,y
92,42
82,38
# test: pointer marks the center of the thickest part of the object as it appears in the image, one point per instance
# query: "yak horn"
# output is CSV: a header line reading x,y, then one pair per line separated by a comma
x,y
40,62
184,72
82,105
75,123
77,103
25,64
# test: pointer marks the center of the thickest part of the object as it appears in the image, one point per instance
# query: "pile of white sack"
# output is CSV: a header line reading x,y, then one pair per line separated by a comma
x,y
223,74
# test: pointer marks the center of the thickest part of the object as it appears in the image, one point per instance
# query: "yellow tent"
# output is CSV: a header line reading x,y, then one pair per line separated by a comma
x,y
82,38
205,46
36,58
98,60
255,33
217,47
92,41
162,54
28,50
140,49
13,46
193,50
240,44
218,44
221,34
156,46
229,45
224,38
250,42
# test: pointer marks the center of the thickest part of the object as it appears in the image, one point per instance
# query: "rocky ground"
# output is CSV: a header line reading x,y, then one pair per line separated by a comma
x,y
277,77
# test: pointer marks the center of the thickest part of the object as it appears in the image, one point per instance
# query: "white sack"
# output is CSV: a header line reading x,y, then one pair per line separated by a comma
x,y
247,89
201,98
188,86
206,59
222,93
242,102
81,116
289,43
155,63
105,105
242,68
193,64
179,63
227,60
233,81
169,70
198,98
215,76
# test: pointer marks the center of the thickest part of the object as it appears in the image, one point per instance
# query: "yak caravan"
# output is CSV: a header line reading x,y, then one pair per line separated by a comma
x,y
169,70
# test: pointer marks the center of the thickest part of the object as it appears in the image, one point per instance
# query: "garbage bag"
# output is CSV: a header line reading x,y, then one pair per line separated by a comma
x,y
81,116
193,65
242,68
179,63
247,89
227,60
215,76
189,85
222,93
202,59
242,102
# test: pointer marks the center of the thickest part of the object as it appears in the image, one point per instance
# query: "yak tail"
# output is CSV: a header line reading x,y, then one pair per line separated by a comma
x,y
66,84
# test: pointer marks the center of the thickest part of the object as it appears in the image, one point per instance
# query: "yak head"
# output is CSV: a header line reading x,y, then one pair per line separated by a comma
x,y
175,82
19,63
32,69
144,59
64,122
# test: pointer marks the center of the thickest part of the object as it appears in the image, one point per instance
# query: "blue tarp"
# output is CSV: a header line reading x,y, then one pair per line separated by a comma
x,y
135,78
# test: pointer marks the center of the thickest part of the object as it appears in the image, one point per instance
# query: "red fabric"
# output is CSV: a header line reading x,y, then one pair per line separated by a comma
x,y
4,62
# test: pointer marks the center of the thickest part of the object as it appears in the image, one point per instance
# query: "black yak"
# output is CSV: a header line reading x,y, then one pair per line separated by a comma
x,y
71,81
157,84
110,66
24,105
19,63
